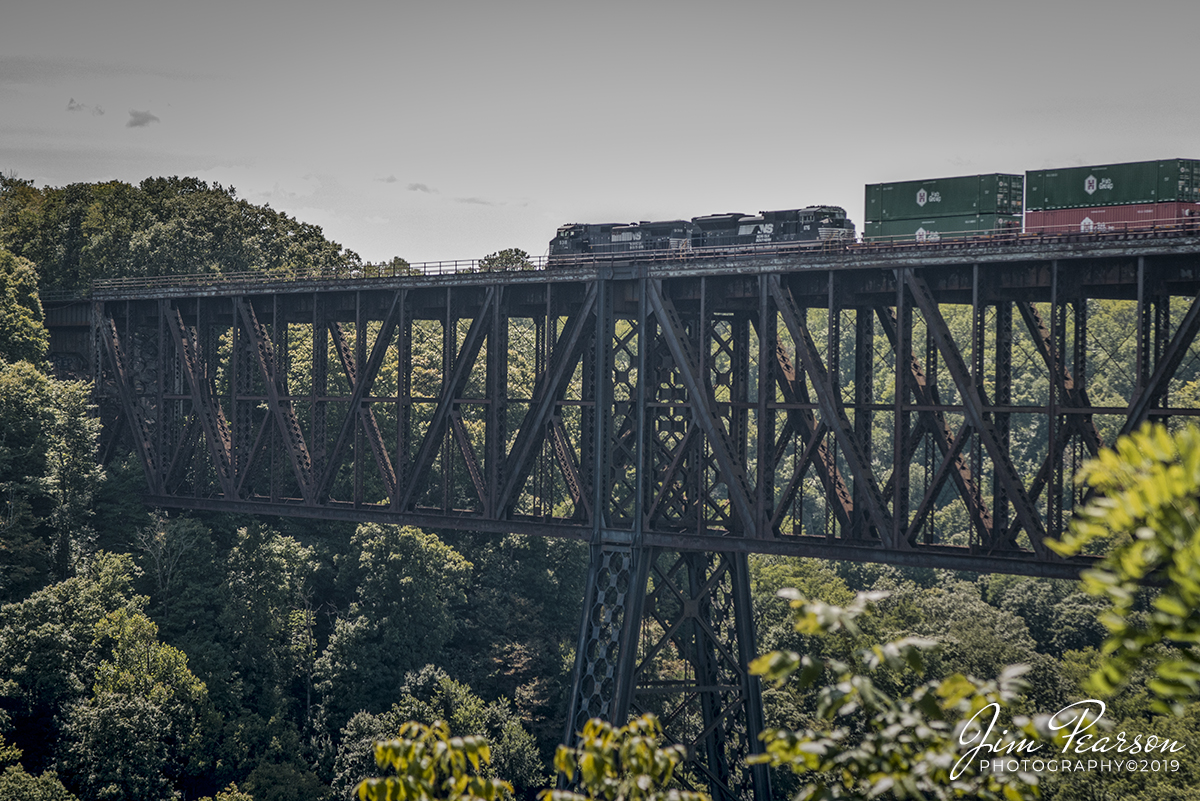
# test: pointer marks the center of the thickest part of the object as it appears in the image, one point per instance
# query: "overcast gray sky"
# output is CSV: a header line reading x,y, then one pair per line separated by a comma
x,y
454,129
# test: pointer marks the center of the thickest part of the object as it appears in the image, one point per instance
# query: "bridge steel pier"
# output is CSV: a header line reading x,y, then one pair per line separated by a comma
x,y
923,407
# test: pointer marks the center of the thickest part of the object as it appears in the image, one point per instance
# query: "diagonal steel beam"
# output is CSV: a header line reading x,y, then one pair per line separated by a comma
x,y
570,469
470,459
950,458
452,388
212,418
973,405
703,405
807,457
183,453
547,393
934,423
1043,342
812,434
133,412
361,382
668,478
1172,357
255,449
832,411
281,407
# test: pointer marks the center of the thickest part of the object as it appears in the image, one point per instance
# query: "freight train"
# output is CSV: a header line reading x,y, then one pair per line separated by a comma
x,y
813,224
1096,200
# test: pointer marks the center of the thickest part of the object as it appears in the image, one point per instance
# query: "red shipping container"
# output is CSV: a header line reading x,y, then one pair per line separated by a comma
x,y
1105,219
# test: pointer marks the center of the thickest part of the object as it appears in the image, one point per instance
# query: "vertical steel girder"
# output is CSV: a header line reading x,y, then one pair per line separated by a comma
x,y
832,410
548,392
212,418
733,471
133,412
358,411
950,446
1002,396
975,410
275,378
496,431
864,399
452,386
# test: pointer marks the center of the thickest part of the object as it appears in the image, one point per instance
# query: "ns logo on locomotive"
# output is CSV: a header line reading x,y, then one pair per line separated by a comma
x,y
812,224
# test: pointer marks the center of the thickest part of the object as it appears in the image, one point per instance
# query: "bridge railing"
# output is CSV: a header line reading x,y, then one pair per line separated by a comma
x,y
349,271
355,272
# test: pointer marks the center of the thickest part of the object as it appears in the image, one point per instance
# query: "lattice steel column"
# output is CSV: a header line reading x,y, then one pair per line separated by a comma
x,y
616,589
648,369
692,670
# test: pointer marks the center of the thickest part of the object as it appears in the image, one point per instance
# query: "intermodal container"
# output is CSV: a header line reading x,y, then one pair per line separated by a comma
x,y
966,195
1133,183
1104,219
935,229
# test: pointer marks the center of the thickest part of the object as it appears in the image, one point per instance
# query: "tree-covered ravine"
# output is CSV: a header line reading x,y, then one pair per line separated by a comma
x,y
149,654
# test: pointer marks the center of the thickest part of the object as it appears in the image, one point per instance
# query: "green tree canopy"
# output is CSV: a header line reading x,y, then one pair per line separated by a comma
x,y
427,764
430,695
621,763
22,337
17,785
1147,505
507,259
407,585
164,226
871,740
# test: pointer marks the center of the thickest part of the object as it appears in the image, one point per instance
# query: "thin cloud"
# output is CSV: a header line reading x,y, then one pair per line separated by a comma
x,y
41,70
391,179
140,119
421,188
476,201
96,111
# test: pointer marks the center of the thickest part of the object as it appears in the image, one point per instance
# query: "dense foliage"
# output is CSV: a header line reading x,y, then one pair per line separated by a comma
x,y
621,763
163,226
1148,502
873,740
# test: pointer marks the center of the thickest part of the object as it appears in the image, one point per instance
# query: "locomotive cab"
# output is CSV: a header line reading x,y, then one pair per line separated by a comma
x,y
577,239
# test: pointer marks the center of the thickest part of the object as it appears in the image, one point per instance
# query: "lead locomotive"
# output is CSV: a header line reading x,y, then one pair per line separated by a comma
x,y
714,232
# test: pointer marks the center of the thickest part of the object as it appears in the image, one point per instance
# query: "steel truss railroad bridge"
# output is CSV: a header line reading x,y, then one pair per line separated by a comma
x,y
918,406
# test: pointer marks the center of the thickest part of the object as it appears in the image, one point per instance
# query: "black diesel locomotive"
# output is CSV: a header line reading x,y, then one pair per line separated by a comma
x,y
813,224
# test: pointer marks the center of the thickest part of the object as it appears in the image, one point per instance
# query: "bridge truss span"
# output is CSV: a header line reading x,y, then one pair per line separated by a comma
x,y
918,410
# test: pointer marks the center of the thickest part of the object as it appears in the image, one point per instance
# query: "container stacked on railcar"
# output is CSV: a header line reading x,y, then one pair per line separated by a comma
x,y
939,208
1112,197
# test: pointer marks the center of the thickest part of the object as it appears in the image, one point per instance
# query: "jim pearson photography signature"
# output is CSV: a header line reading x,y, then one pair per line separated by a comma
x,y
1077,722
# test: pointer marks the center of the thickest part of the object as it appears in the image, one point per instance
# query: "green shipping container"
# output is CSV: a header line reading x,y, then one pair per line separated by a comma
x,y
996,193
935,229
1173,180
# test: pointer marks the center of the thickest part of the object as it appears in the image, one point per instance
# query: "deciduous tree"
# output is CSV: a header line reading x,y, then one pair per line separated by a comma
x,y
1147,506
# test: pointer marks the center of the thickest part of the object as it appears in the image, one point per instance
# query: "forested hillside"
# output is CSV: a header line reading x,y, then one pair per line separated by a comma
x,y
147,655
164,226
